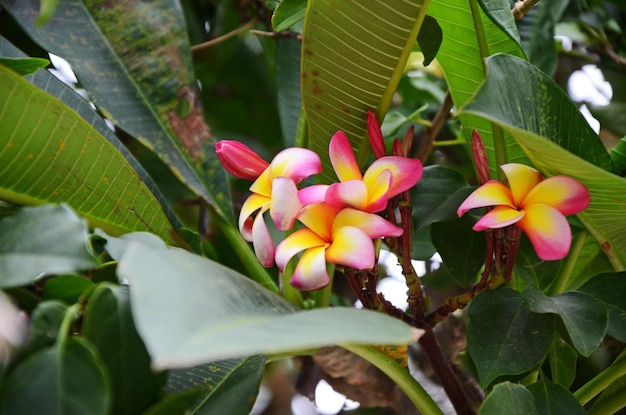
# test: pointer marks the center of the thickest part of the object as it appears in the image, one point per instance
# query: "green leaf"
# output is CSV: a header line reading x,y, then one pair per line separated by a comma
x,y
46,320
176,404
558,140
504,337
611,290
429,39
230,386
45,239
510,399
437,196
533,269
288,13
462,249
108,325
353,55
562,359
135,62
66,379
473,30
60,157
288,86
236,313
24,66
584,317
618,155
554,399
66,288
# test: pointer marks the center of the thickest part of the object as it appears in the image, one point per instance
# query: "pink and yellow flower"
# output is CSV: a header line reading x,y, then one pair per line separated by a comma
x,y
275,189
538,206
335,235
387,177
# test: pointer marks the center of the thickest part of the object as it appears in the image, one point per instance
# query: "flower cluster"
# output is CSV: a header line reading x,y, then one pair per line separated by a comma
x,y
536,205
339,220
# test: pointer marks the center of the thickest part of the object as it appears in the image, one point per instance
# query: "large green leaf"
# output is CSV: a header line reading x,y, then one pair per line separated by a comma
x,y
504,337
562,358
134,59
108,325
551,398
461,248
510,399
50,153
558,140
229,386
611,290
352,57
239,317
66,379
43,239
473,30
584,317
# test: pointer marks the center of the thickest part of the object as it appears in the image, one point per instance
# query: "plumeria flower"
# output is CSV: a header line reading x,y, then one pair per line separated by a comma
x,y
275,189
535,205
335,235
387,177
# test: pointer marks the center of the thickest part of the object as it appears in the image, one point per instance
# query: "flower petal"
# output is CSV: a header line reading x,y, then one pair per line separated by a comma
x,y
492,193
285,204
310,273
251,205
313,194
300,240
263,184
319,218
547,230
498,217
349,193
373,225
563,193
351,247
342,158
296,163
262,240
522,179
239,160
378,192
405,171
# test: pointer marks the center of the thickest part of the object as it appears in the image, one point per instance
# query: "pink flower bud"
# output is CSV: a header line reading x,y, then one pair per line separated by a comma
x,y
375,134
239,160
480,158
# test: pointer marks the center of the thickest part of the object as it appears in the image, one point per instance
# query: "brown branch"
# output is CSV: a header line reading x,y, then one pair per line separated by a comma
x,y
205,45
446,375
521,8
430,133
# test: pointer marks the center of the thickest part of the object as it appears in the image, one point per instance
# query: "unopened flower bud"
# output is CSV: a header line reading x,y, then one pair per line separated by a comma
x,y
239,160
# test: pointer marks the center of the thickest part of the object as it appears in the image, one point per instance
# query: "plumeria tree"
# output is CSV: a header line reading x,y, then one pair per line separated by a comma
x,y
202,211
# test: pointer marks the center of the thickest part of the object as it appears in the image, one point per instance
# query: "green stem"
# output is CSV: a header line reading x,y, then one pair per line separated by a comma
x,y
599,383
289,292
447,143
322,297
563,279
609,405
246,255
68,318
400,375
